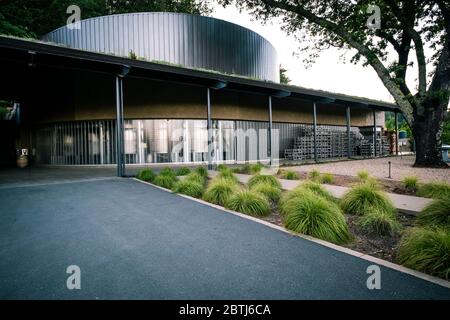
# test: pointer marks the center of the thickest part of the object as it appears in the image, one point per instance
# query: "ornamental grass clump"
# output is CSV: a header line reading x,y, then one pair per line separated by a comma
x,y
190,187
255,168
183,171
166,181
167,172
364,198
327,178
146,175
435,190
290,175
317,217
227,173
249,202
194,176
202,171
426,250
317,189
314,175
436,213
272,193
220,190
363,175
258,178
379,223
410,183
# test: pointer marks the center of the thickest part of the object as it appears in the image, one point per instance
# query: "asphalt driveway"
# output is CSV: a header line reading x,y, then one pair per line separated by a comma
x,y
134,241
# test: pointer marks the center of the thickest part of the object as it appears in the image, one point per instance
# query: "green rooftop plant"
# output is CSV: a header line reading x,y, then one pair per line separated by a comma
x,y
379,222
146,175
249,202
290,175
435,190
426,250
363,175
258,178
183,171
437,213
272,193
317,217
364,198
165,180
219,191
410,183
327,178
314,175
189,187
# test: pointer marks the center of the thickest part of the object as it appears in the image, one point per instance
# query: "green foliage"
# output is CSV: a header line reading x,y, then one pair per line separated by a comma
x,y
317,189
303,190
183,171
243,169
166,181
446,131
363,198
290,175
194,176
167,172
219,191
189,187
363,175
146,175
249,202
284,79
314,175
258,178
435,190
221,167
410,183
269,191
255,168
227,173
32,19
379,222
317,217
426,250
202,171
327,178
437,213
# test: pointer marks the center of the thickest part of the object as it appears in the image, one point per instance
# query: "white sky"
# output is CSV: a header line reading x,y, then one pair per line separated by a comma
x,y
327,73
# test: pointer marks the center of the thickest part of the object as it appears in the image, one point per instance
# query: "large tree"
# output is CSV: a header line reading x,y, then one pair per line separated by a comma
x,y
408,29
32,18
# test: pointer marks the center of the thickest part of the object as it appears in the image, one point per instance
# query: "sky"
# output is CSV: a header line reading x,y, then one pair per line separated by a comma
x,y
328,73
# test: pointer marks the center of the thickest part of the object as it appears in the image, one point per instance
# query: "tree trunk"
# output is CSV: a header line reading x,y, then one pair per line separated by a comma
x,y
427,131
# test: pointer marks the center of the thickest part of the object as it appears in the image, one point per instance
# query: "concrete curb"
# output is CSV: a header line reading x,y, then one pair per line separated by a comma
x,y
324,243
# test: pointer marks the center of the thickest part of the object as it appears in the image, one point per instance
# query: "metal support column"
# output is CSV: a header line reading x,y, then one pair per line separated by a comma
x,y
349,138
396,133
119,127
269,143
374,133
315,130
209,128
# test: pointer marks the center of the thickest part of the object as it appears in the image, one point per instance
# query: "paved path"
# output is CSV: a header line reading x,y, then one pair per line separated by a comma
x,y
407,204
132,240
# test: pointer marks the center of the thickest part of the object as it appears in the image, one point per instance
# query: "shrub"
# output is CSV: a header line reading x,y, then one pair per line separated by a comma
x,y
364,198
379,222
255,168
426,250
166,181
317,217
269,191
249,202
363,175
317,189
435,190
202,171
410,183
290,175
219,191
314,175
183,171
167,172
189,187
327,178
258,178
146,175
437,213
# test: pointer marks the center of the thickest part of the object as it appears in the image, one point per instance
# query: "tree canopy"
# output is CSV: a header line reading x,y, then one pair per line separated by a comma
x,y
31,18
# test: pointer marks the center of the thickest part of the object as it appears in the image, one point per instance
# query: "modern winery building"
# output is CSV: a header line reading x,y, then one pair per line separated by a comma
x,y
149,88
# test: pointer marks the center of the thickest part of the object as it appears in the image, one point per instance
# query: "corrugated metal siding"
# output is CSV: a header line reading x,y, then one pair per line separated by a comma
x,y
190,40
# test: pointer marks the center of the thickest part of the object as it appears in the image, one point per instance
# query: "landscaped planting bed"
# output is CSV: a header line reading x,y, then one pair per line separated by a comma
x,y
363,220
